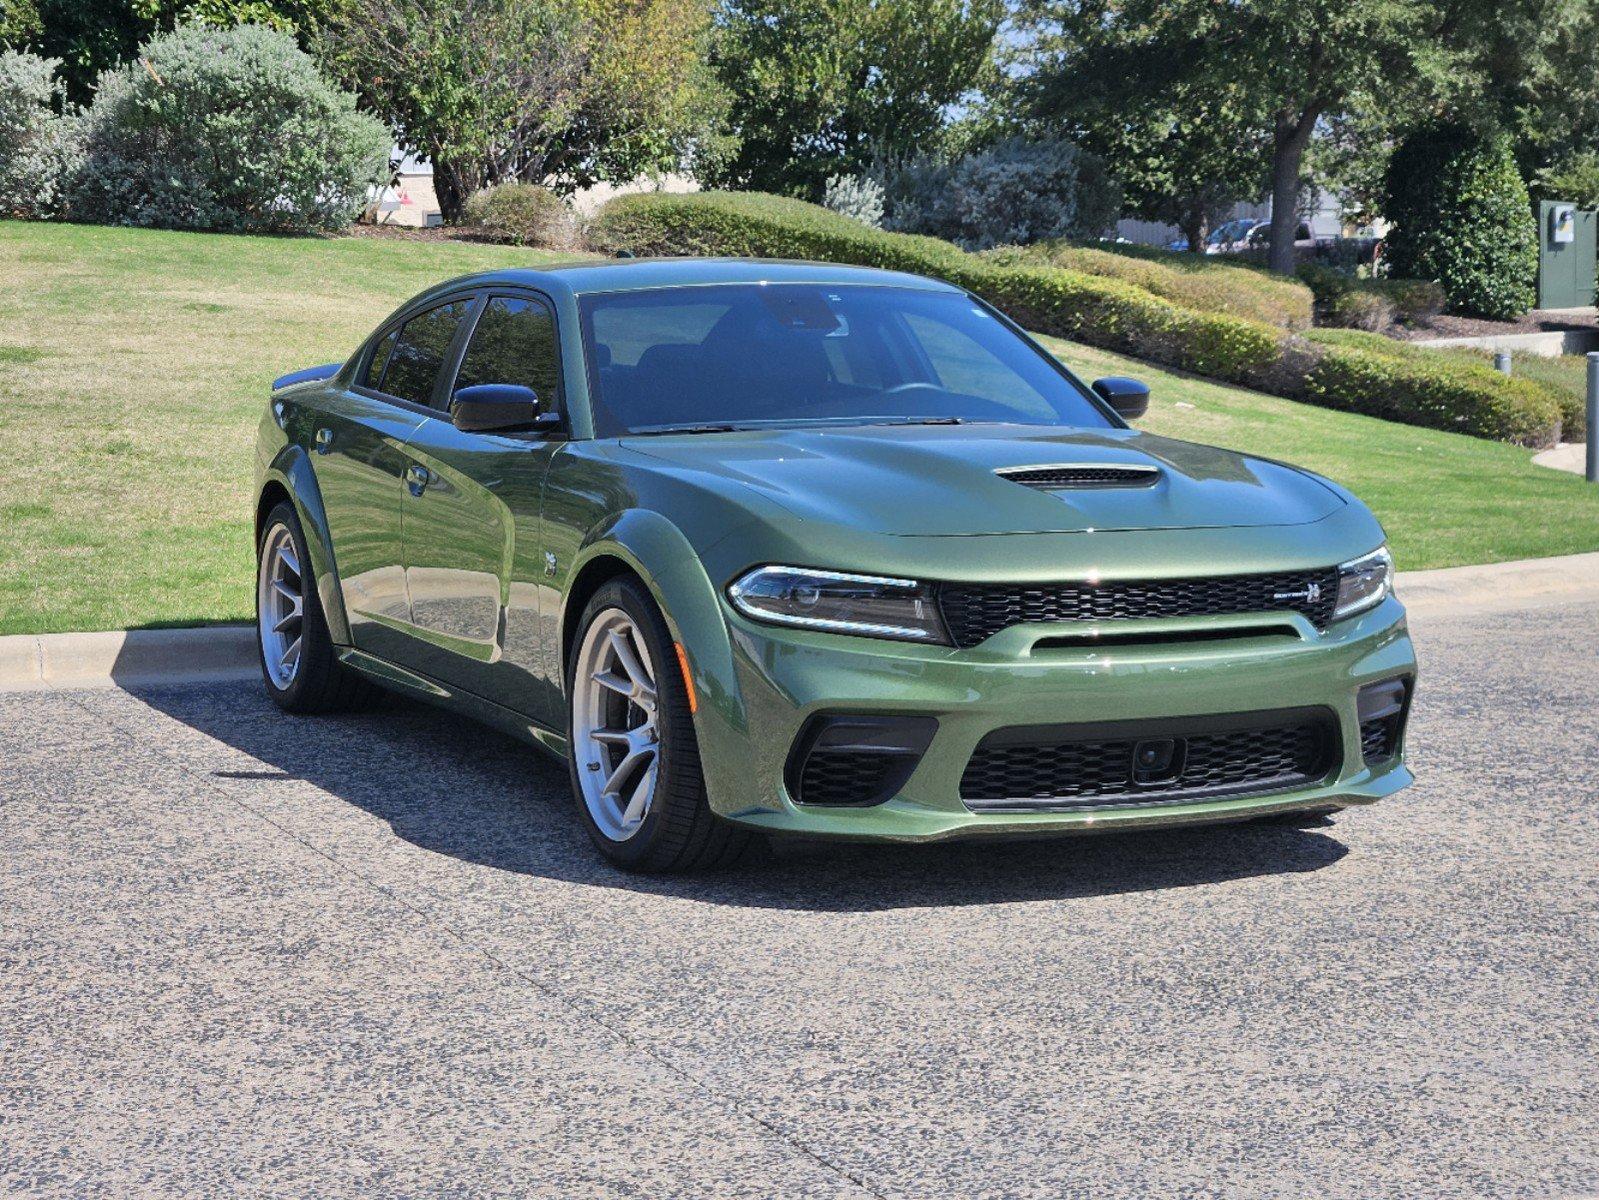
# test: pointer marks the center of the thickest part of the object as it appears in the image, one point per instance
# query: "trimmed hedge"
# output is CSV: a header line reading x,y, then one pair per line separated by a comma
x,y
1111,313
1193,280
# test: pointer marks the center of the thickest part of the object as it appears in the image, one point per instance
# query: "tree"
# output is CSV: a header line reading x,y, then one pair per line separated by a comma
x,y
1184,154
556,92
1461,216
828,87
93,36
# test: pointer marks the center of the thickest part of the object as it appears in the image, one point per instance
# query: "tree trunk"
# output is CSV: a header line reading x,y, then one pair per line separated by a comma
x,y
1289,139
1193,227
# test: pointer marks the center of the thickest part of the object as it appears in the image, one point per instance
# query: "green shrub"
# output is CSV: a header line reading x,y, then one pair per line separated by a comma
x,y
226,129
38,149
523,214
1462,217
1339,369
1194,280
1347,301
1367,373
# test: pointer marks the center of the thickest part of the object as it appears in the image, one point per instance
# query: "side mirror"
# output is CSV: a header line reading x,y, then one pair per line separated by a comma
x,y
1128,397
498,408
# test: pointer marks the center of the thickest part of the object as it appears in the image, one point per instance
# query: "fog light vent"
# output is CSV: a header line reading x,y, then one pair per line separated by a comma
x,y
856,761
1381,708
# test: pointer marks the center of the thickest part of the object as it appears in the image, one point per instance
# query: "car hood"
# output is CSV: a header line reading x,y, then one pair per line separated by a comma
x,y
928,481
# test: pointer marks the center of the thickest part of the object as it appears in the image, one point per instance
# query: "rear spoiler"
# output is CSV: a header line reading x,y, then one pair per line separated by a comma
x,y
310,374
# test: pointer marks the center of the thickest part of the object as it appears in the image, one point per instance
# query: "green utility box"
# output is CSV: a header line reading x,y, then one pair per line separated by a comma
x,y
1566,257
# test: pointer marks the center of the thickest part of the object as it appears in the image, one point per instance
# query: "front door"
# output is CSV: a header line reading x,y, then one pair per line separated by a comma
x,y
471,518
359,460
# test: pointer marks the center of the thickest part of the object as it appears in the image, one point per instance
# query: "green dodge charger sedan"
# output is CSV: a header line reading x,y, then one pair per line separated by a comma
x,y
817,550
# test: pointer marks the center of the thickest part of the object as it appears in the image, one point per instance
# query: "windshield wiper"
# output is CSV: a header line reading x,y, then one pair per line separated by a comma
x,y
660,430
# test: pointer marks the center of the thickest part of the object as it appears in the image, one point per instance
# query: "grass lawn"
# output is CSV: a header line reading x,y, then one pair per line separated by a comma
x,y
137,363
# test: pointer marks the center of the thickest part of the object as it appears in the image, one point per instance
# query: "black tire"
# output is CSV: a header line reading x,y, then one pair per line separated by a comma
x,y
680,833
321,684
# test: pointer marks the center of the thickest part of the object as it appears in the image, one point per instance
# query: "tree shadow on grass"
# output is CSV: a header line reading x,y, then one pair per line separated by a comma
x,y
452,787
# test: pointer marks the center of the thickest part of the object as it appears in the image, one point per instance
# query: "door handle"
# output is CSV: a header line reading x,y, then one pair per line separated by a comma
x,y
416,478
324,440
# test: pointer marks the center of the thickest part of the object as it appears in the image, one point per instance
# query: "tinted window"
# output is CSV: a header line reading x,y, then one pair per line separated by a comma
x,y
787,353
380,360
414,365
513,342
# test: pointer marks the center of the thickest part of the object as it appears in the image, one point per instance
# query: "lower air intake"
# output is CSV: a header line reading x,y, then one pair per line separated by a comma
x,y
1135,764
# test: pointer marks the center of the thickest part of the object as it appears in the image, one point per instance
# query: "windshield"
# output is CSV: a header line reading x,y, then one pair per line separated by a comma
x,y
766,354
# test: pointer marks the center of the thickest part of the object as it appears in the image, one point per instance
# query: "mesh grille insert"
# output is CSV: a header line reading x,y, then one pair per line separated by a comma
x,y
975,612
1066,767
844,777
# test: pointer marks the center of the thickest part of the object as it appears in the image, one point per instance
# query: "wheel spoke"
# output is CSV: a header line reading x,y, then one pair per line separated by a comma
x,y
613,737
613,681
628,661
289,619
624,769
288,593
640,799
286,557
291,656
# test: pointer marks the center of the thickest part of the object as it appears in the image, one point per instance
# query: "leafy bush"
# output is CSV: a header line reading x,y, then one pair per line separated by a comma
x,y
523,214
1197,281
1347,301
1015,192
38,149
1462,217
1363,372
1360,375
858,197
226,129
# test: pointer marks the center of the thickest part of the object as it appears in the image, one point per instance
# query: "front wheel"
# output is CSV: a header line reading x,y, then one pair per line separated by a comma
x,y
634,759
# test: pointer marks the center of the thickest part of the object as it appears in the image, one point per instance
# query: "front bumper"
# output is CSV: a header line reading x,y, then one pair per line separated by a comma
x,y
785,677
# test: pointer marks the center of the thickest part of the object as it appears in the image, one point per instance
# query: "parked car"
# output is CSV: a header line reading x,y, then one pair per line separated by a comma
x,y
762,547
1222,239
1259,237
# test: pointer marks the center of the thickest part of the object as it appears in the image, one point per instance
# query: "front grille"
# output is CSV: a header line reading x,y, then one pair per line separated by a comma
x,y
1071,767
1054,479
844,777
975,612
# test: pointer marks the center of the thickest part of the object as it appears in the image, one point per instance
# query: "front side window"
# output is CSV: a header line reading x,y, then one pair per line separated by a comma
x,y
513,342
418,355
373,378
783,354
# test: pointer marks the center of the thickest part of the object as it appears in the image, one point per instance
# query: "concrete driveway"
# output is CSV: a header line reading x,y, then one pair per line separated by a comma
x,y
242,954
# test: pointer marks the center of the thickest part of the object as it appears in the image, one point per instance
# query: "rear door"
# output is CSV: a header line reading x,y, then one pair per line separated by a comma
x,y
471,524
360,464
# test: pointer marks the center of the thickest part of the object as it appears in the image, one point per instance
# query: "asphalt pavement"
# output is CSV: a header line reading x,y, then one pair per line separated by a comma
x,y
243,954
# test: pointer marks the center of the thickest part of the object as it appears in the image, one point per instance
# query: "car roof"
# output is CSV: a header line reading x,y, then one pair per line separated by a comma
x,y
640,274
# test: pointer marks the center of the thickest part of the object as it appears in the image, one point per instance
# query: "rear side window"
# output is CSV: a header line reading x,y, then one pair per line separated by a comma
x,y
513,342
418,356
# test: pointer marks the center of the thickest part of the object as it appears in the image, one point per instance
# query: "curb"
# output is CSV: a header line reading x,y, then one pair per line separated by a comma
x,y
227,652
1519,584
75,660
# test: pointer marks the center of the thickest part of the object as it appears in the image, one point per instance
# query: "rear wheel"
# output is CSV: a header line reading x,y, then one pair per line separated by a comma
x,y
298,663
634,759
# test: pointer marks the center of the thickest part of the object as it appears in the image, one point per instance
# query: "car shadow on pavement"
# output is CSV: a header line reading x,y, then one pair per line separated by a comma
x,y
450,786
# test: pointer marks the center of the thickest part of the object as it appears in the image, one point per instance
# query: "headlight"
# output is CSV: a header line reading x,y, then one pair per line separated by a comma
x,y
1364,582
863,604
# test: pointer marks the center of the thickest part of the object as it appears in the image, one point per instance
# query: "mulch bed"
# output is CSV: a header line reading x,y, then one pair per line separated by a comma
x,y
1537,321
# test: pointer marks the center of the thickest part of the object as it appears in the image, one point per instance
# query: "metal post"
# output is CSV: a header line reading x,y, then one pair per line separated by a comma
x,y
1502,362
1593,416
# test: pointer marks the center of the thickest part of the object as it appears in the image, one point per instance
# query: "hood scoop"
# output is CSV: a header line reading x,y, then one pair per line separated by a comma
x,y
1076,476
